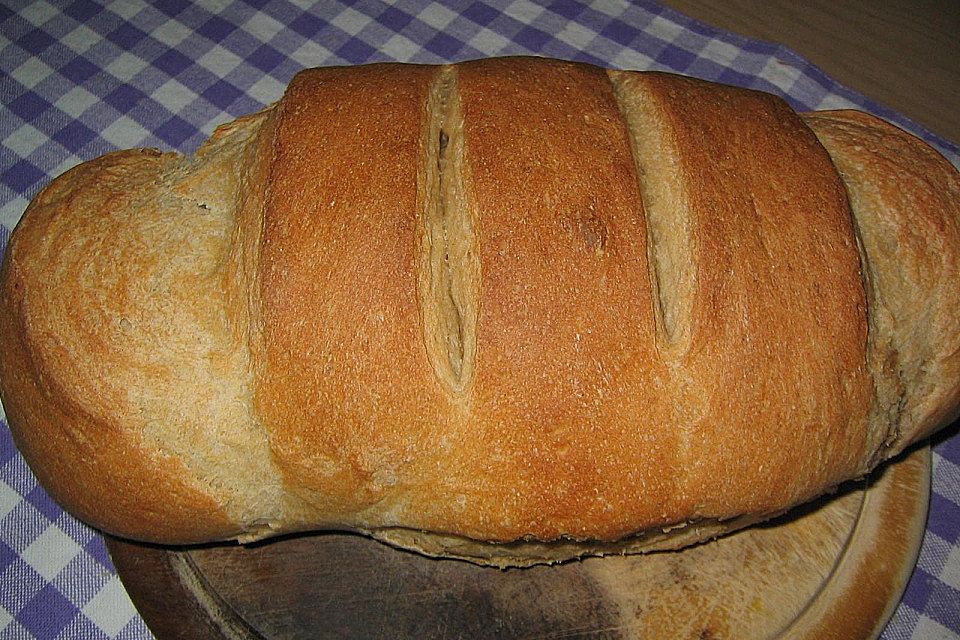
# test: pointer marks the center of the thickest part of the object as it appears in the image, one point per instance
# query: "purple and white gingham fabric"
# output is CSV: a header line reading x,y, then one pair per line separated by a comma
x,y
80,78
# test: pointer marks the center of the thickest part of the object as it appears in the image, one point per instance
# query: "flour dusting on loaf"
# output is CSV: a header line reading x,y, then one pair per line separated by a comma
x,y
512,310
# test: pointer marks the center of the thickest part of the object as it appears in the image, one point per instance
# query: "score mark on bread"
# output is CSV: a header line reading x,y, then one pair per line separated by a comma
x,y
448,269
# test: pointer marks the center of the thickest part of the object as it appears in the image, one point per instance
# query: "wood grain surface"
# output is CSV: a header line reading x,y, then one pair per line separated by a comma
x,y
833,569
902,53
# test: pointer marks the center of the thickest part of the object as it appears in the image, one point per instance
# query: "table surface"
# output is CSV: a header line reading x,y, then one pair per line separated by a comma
x,y
902,53
79,78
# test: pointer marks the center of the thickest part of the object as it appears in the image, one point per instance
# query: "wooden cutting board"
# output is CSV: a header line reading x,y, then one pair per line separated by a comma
x,y
835,569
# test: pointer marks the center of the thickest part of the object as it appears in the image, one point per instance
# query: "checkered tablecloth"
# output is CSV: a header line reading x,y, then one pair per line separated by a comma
x,y
78,79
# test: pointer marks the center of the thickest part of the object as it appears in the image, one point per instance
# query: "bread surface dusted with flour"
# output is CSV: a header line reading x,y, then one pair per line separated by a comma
x,y
513,301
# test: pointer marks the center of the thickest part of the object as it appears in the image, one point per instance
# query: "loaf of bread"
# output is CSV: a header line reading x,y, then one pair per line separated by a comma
x,y
513,310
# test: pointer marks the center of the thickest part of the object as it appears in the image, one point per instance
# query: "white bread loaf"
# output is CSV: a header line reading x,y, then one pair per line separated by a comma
x,y
514,310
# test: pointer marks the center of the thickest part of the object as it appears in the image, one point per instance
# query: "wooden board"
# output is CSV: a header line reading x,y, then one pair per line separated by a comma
x,y
833,569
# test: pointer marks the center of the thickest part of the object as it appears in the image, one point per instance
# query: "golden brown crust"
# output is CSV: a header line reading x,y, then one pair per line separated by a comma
x,y
778,326
569,375
565,330
906,198
66,410
506,300
342,386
